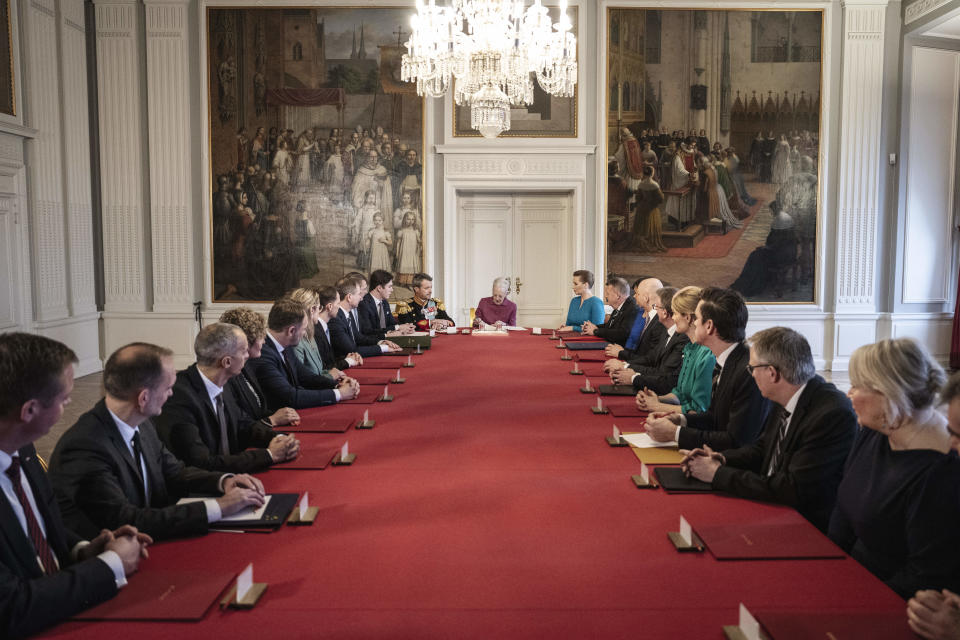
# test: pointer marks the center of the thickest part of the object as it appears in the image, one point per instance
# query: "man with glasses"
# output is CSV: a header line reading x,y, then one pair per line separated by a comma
x,y
798,460
737,408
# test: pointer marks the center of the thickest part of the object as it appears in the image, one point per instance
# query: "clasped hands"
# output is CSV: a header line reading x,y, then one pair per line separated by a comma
x,y
128,543
935,614
588,328
284,447
701,463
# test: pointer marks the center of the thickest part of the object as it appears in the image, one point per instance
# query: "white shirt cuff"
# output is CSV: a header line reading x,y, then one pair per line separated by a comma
x,y
683,420
634,377
116,565
213,510
336,394
350,362
222,479
270,453
384,348
676,434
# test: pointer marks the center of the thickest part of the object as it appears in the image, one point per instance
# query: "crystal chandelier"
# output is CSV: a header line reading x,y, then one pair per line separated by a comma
x,y
492,48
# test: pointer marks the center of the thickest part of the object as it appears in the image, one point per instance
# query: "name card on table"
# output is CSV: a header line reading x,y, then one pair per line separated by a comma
x,y
642,479
536,331
245,592
344,457
599,408
566,355
398,379
576,369
304,514
747,628
616,440
586,388
386,397
685,539
366,423
409,362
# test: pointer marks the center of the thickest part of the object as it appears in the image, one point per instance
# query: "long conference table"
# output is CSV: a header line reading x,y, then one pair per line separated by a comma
x,y
486,503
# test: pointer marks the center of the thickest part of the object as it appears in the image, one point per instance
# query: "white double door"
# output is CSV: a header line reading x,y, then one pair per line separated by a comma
x,y
525,237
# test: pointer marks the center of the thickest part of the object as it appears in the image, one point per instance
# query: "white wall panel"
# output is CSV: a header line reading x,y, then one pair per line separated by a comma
x,y
931,169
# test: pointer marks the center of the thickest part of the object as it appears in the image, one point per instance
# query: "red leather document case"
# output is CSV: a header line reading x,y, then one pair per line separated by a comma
x,y
315,421
848,625
162,594
313,455
789,536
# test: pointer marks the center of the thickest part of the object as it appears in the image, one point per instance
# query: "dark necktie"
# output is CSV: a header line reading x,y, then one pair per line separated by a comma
x,y
716,379
44,554
353,326
288,365
138,462
222,420
383,315
781,425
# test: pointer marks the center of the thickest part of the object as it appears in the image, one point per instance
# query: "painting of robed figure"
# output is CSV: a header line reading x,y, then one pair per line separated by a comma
x,y
316,149
713,139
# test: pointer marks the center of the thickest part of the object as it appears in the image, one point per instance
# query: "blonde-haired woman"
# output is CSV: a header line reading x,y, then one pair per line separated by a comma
x,y
306,351
890,514
692,392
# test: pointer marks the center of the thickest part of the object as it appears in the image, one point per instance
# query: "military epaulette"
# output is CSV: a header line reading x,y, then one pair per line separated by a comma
x,y
403,306
439,304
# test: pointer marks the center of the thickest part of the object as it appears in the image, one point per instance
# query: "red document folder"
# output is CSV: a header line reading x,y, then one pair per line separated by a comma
x,y
315,421
378,376
162,594
623,407
375,363
789,537
313,455
849,625
590,357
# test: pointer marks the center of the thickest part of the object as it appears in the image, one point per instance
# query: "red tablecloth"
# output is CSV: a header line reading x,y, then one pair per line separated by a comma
x,y
485,503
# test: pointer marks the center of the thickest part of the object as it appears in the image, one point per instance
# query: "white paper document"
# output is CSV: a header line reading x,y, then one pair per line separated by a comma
x,y
644,441
247,513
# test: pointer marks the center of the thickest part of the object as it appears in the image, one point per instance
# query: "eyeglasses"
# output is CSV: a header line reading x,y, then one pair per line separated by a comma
x,y
752,367
657,307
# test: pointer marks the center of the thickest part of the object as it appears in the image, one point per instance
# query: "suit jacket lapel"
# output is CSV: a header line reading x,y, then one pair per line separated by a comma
x,y
114,434
19,544
151,454
193,375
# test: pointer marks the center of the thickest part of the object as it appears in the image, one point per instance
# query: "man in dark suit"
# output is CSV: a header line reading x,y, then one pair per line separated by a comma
x,y
616,293
799,459
110,468
329,300
286,382
737,408
659,369
202,425
47,572
651,334
375,318
244,387
345,335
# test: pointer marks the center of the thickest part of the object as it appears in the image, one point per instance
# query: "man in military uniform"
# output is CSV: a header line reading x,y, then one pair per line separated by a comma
x,y
423,310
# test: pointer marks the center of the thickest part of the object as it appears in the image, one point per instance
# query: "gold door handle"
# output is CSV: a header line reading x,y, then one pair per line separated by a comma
x,y
518,283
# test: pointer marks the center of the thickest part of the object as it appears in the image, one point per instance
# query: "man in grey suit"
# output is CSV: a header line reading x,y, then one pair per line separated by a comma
x,y
110,468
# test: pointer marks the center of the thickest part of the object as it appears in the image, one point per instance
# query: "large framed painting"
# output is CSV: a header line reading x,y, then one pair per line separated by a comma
x,y
316,149
713,148
547,117
7,97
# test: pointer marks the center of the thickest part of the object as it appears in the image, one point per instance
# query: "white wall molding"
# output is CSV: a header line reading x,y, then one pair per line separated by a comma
x,y
171,182
43,160
121,151
172,330
920,8
76,158
859,165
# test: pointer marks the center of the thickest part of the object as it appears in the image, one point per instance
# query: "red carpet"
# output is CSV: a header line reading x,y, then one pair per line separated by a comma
x,y
716,246
486,504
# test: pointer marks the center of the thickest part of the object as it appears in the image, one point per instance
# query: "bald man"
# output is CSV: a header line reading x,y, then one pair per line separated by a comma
x,y
647,333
